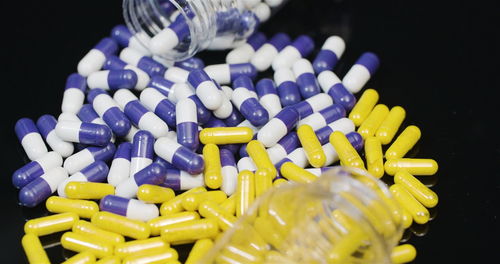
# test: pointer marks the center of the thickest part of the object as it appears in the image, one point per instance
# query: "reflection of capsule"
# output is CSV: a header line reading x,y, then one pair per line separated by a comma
x,y
420,230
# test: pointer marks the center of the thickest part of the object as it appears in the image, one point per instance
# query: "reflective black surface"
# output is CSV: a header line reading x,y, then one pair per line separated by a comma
x,y
438,61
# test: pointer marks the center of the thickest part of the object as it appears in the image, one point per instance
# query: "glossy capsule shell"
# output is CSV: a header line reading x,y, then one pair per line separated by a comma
x,y
373,121
229,205
140,247
130,208
279,182
83,208
374,157
191,201
419,167
50,224
34,250
418,212
109,260
200,248
158,223
86,228
260,157
403,254
29,172
347,153
364,106
295,173
213,167
210,209
121,225
154,194
263,181
190,230
85,257
88,190
179,156
245,192
169,256
422,193
226,135
30,138
391,124
80,243
311,145
403,143
175,205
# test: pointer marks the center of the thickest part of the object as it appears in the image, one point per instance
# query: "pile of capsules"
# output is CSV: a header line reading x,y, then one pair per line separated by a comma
x,y
173,155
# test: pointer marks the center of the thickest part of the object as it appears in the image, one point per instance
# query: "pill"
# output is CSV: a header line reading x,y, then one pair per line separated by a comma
x,y
313,104
85,133
391,124
85,257
260,157
295,173
34,250
122,35
229,205
163,162
119,170
88,190
229,172
112,79
331,155
168,38
139,115
140,247
30,138
121,225
213,168
177,75
157,102
264,56
403,143
288,89
149,193
329,55
42,187
247,83
347,153
191,201
364,106
180,156
211,210
418,212
109,260
332,85
87,114
249,107
278,127
185,91
95,172
165,87
244,53
95,58
344,125
406,218
374,157
168,256
109,111
301,47
306,80
200,248
280,182
74,93
227,73
311,145
319,171
420,167
87,229
158,223
187,124
130,208
178,180
50,224
82,243
115,63
205,89
285,146
371,124
268,96
83,208
263,181
36,168
190,64
152,174
297,157
226,135
324,117
403,254
246,163
226,109
361,72
85,157
188,231
141,154
245,193
147,64
422,193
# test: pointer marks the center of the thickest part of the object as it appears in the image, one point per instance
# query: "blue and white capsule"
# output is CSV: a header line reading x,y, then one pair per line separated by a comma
x,y
361,72
187,124
244,53
125,38
30,138
85,133
288,89
164,86
130,208
112,79
87,114
179,156
147,64
226,108
245,82
249,107
87,156
205,89
119,171
268,96
109,111
301,47
177,74
47,125
313,104
262,11
264,56
324,117
229,172
155,101
329,55
142,151
278,127
227,73
356,140
95,172
285,146
308,84
36,168
163,162
115,63
184,91
246,163
153,174
297,157
74,93
332,85
95,58
344,125
178,180
170,37
190,64
42,187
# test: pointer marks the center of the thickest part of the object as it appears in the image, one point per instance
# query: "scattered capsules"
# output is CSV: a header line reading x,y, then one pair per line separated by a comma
x,y
278,127
179,180
109,111
332,85
391,124
42,187
227,73
324,117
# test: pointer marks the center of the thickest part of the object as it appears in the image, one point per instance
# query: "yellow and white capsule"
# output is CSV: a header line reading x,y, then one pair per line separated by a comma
x,y
200,248
88,190
260,157
263,181
226,135
167,256
229,205
83,208
373,121
403,143
210,209
295,173
175,205
90,230
364,106
245,191
81,243
424,195
109,260
418,212
154,194
141,247
189,231
374,157
121,225
158,223
191,201
403,254
34,250
347,153
419,167
391,124
50,224
312,147
81,258
213,167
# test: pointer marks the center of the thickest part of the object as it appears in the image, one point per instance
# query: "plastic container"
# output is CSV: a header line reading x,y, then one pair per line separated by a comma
x,y
346,216
212,24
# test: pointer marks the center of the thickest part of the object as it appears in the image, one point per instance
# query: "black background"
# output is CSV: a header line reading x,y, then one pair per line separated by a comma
x,y
438,61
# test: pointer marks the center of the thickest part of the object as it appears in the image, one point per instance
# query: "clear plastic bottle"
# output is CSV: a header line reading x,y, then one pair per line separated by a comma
x,y
200,24
346,216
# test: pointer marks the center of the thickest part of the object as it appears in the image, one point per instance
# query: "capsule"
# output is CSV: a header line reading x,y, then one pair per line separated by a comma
x,y
74,93
301,47
227,73
213,168
68,117
87,229
158,103
109,260
423,194
295,173
85,133
178,180
29,172
130,208
260,157
142,151
87,114
187,124
319,171
200,248
226,135
30,138
249,107
280,182
297,157
83,208
226,109
343,125
364,106
47,124
145,63
313,104
152,174
115,63
285,146
246,163
180,156
140,247
122,35
42,187
418,212
347,153
419,167
121,225
374,157
229,171
170,37
81,243
403,254
87,156
154,194
34,250
184,91
288,89
112,79
332,85
278,127
263,181
95,58
181,233
329,55
403,143
268,96
85,257
245,52
120,166
158,223
109,111
168,256
245,193
312,146
175,205
264,56
191,201
205,89
88,190
308,84
50,224
324,117
373,121
391,124
361,72
139,115
95,172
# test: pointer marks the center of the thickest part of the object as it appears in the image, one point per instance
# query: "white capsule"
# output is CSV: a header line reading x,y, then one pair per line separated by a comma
x,y
355,78
316,121
138,210
68,117
286,58
34,146
68,131
241,54
127,189
327,79
182,91
58,145
137,164
72,100
284,75
188,181
98,79
135,43
130,56
298,157
263,57
227,91
276,153
272,103
78,161
262,11
335,44
119,171
219,72
54,177
226,108
92,62
142,77
319,102
246,163
209,95
272,132
302,66
164,41
176,75
230,179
